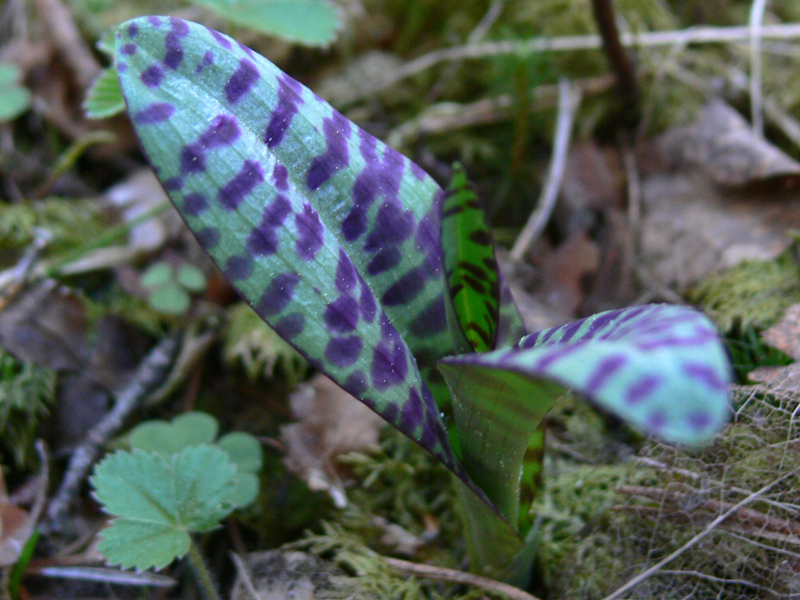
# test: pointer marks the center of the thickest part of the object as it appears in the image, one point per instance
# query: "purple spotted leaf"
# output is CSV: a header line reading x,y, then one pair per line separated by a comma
x,y
660,368
331,236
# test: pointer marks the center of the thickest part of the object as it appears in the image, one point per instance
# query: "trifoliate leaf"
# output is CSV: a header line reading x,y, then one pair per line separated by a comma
x,y
156,275
191,278
14,99
158,501
171,299
310,22
104,99
166,439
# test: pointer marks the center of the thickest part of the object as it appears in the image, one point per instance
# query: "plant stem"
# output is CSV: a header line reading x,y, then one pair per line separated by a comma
x,y
620,62
203,577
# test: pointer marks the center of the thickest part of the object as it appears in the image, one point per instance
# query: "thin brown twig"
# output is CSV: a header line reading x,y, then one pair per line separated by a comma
x,y
695,35
569,99
617,56
647,573
453,576
149,375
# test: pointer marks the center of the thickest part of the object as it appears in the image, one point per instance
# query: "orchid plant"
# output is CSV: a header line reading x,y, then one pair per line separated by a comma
x,y
388,284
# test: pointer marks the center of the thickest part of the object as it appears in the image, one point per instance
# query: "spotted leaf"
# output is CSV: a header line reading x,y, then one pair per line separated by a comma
x,y
660,368
470,264
331,236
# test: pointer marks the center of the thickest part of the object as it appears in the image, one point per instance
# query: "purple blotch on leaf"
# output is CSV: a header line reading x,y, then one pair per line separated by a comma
x,y
129,49
280,177
309,231
222,40
389,366
238,267
384,260
367,303
155,113
208,60
241,81
344,351
173,184
405,289
278,294
431,320
234,192
641,389
707,375
356,383
337,131
208,237
393,225
152,76
605,369
194,204
341,315
412,412
346,276
284,112
290,325
133,30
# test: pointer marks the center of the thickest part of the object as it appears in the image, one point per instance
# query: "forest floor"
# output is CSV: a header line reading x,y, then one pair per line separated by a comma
x,y
678,185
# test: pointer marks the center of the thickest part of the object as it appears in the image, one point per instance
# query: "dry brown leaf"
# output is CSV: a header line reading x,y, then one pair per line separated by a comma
x,y
785,336
16,523
691,227
331,422
565,272
722,143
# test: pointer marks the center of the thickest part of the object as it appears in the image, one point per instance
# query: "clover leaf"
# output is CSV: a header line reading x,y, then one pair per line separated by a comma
x,y
157,501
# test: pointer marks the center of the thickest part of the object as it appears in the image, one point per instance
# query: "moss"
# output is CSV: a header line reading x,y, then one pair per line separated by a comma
x,y
752,294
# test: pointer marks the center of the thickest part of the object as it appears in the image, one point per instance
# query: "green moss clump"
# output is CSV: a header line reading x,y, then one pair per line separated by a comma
x,y
752,294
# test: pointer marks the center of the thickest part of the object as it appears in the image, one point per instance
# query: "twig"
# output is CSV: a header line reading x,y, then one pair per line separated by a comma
x,y
442,574
568,101
148,376
756,19
698,35
620,62
62,28
697,538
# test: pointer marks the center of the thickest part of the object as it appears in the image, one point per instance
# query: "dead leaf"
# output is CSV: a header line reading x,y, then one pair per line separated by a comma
x,y
566,271
722,143
691,227
785,336
16,523
46,324
331,422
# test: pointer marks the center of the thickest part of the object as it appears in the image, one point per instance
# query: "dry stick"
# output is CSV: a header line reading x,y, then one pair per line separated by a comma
x,y
442,574
698,35
696,539
147,378
568,101
756,19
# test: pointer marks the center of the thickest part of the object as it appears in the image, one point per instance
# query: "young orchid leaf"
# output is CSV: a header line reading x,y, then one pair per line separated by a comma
x,y
331,236
470,265
660,368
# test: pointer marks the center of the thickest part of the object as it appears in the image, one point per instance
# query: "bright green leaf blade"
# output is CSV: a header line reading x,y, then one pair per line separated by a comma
x,y
14,99
301,210
142,545
204,485
310,22
159,501
171,299
157,275
136,485
191,278
245,489
104,99
661,368
9,74
185,430
243,450
470,265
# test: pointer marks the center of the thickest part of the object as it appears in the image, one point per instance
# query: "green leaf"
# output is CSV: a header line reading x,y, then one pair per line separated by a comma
x,y
104,98
243,450
310,22
157,275
661,368
184,431
470,264
330,235
158,501
14,99
191,278
170,299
